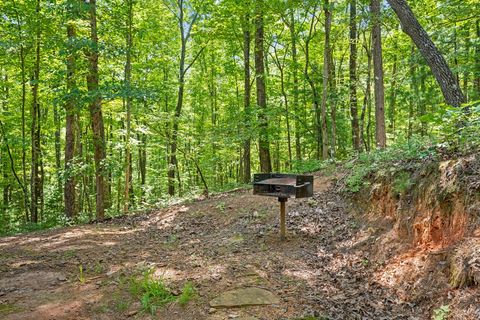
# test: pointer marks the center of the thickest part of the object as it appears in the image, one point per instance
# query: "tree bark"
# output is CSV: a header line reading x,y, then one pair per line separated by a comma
x,y
95,108
477,62
247,97
293,39
380,135
35,175
353,76
451,90
127,84
263,141
326,75
69,192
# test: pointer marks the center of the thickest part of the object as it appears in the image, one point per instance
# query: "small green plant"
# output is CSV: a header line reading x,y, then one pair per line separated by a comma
x,y
441,313
81,275
402,183
221,206
152,292
188,293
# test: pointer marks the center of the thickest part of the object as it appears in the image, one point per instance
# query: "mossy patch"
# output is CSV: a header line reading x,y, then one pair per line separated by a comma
x,y
7,308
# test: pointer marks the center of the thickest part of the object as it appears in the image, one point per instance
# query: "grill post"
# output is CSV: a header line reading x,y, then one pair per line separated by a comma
x,y
282,218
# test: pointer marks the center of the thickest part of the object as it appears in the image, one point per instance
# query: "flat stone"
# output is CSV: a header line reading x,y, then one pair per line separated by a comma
x,y
245,297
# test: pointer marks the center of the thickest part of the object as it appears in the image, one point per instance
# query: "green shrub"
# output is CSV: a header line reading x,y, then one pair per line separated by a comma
x,y
387,162
154,294
402,183
188,293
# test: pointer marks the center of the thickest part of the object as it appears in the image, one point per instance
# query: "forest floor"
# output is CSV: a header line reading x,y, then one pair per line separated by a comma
x,y
327,268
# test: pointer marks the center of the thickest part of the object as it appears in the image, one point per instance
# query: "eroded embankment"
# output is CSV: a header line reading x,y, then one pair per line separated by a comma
x,y
427,221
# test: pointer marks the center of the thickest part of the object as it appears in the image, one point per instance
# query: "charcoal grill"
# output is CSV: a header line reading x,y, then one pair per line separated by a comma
x,y
283,186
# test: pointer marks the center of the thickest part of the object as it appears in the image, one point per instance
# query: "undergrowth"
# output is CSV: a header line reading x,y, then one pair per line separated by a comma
x,y
388,162
154,294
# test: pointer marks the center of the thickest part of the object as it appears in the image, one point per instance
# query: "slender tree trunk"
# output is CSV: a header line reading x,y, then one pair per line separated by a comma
x,y
69,192
366,108
296,106
263,142
95,107
353,76
326,75
3,158
445,78
476,81
380,135
311,82
128,78
35,183
247,174
22,54
393,97
281,67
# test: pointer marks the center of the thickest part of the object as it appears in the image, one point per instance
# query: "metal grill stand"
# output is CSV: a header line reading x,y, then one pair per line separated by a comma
x,y
283,186
283,227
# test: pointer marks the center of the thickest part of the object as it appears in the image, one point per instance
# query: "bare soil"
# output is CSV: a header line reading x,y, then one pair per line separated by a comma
x,y
334,265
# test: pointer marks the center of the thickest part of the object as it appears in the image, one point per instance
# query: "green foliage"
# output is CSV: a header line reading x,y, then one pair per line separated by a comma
x,y
312,165
154,294
188,293
81,274
387,162
401,183
441,313
456,128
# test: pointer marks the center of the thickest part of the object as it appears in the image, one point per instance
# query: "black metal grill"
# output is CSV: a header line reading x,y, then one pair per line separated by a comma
x,y
283,185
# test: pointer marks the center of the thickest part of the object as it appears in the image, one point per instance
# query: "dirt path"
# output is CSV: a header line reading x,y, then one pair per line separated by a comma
x,y
326,267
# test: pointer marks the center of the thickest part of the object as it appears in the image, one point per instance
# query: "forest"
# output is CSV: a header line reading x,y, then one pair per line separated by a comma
x,y
114,106
139,140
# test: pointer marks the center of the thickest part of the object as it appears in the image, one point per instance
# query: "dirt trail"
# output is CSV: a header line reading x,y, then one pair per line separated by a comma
x,y
230,241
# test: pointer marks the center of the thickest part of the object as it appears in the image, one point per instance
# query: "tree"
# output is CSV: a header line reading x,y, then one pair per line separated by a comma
x,y
445,78
353,76
95,108
263,141
69,191
128,92
247,173
326,76
380,134
36,187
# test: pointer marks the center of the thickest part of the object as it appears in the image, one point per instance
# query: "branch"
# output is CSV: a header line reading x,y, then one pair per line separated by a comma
x,y
194,59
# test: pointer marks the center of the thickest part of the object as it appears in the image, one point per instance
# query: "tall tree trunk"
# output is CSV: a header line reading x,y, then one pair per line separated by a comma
x,y
296,105
311,82
393,97
445,78
380,135
185,28
247,97
69,192
366,108
3,158
35,183
281,67
22,54
263,141
326,75
476,85
353,76
95,107
128,78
